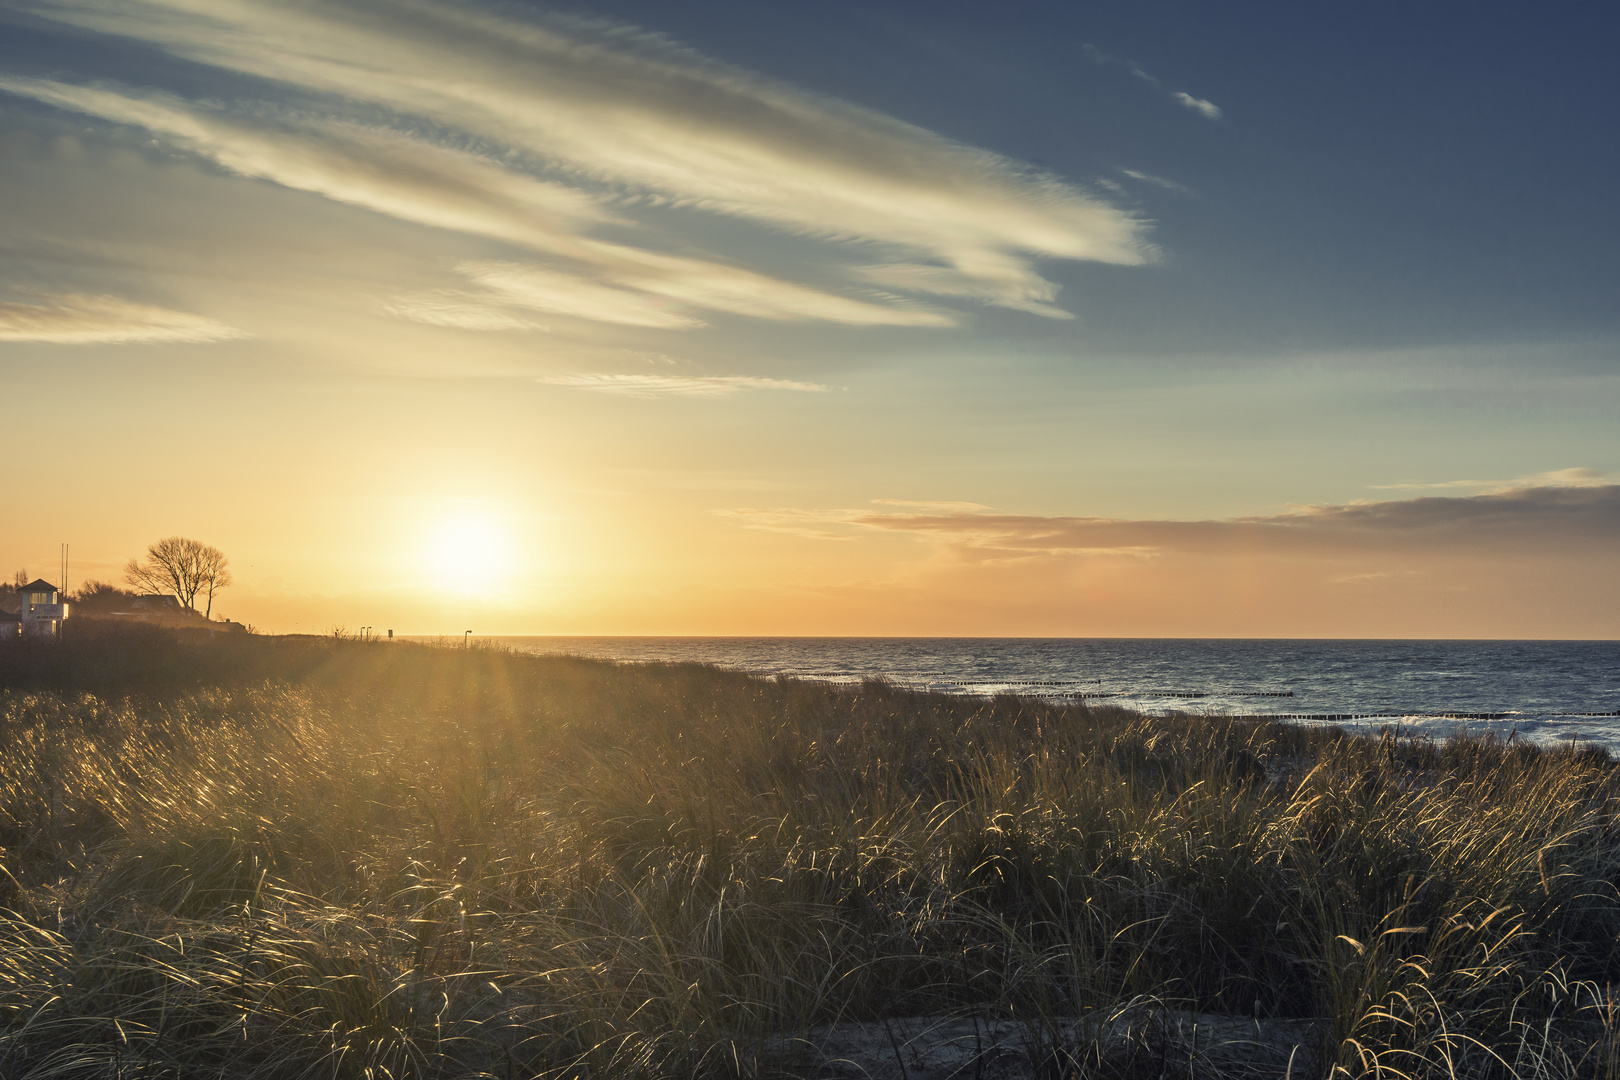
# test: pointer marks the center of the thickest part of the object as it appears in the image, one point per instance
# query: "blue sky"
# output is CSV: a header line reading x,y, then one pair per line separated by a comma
x,y
635,291
1404,175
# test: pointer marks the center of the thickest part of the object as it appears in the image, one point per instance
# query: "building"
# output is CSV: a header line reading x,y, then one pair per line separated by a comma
x,y
162,609
37,610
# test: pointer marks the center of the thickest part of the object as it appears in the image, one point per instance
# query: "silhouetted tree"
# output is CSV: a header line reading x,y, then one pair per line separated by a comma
x,y
185,566
96,595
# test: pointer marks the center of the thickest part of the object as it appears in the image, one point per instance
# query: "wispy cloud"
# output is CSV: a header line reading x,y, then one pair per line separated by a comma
x,y
102,320
817,524
458,310
389,172
610,112
1518,518
810,524
1533,561
543,289
925,504
1156,181
1373,576
1556,478
644,288
1207,109
416,181
1527,519
1567,510
677,385
957,523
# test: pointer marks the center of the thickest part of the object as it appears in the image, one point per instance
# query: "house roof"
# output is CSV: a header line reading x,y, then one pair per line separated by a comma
x,y
38,585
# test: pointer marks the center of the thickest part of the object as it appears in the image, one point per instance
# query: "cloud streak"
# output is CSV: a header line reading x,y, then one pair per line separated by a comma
x,y
648,386
1520,519
415,181
1207,109
792,521
1534,561
389,172
610,112
644,288
105,320
459,311
930,504
1555,478
1156,181
1525,521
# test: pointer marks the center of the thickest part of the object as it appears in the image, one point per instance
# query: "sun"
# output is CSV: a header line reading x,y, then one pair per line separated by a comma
x,y
469,551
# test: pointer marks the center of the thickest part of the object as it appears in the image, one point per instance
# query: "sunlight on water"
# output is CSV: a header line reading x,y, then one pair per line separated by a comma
x,y
1544,691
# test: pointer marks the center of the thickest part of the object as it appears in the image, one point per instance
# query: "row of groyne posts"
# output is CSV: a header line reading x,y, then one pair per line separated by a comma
x,y
999,686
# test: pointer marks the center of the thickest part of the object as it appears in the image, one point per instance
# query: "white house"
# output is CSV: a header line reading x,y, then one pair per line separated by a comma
x,y
40,609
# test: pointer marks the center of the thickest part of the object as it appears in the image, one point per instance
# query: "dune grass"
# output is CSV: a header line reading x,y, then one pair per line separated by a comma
x,y
361,860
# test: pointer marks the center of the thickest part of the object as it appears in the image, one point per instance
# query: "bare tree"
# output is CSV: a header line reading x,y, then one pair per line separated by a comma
x,y
185,566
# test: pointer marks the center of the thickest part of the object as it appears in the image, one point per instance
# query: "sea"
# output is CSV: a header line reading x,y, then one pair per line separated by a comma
x,y
1548,692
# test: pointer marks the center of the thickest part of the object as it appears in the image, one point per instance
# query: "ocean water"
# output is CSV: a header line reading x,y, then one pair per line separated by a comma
x,y
1544,691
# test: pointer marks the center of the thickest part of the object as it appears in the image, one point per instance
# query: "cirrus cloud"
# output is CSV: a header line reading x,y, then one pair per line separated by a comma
x,y
397,174
385,171
71,319
1527,562
1207,109
608,112
1577,477
676,385
1526,520
1520,519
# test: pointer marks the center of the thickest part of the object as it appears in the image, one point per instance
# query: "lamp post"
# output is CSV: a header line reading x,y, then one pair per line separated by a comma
x,y
466,640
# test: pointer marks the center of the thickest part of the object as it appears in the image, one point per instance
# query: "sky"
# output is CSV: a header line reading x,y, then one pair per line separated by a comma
x,y
1025,319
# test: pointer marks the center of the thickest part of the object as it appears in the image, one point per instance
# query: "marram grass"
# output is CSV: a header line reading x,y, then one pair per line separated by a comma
x,y
392,861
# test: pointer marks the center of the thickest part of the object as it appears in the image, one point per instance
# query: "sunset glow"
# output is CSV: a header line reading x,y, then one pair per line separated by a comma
x,y
850,320
469,551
